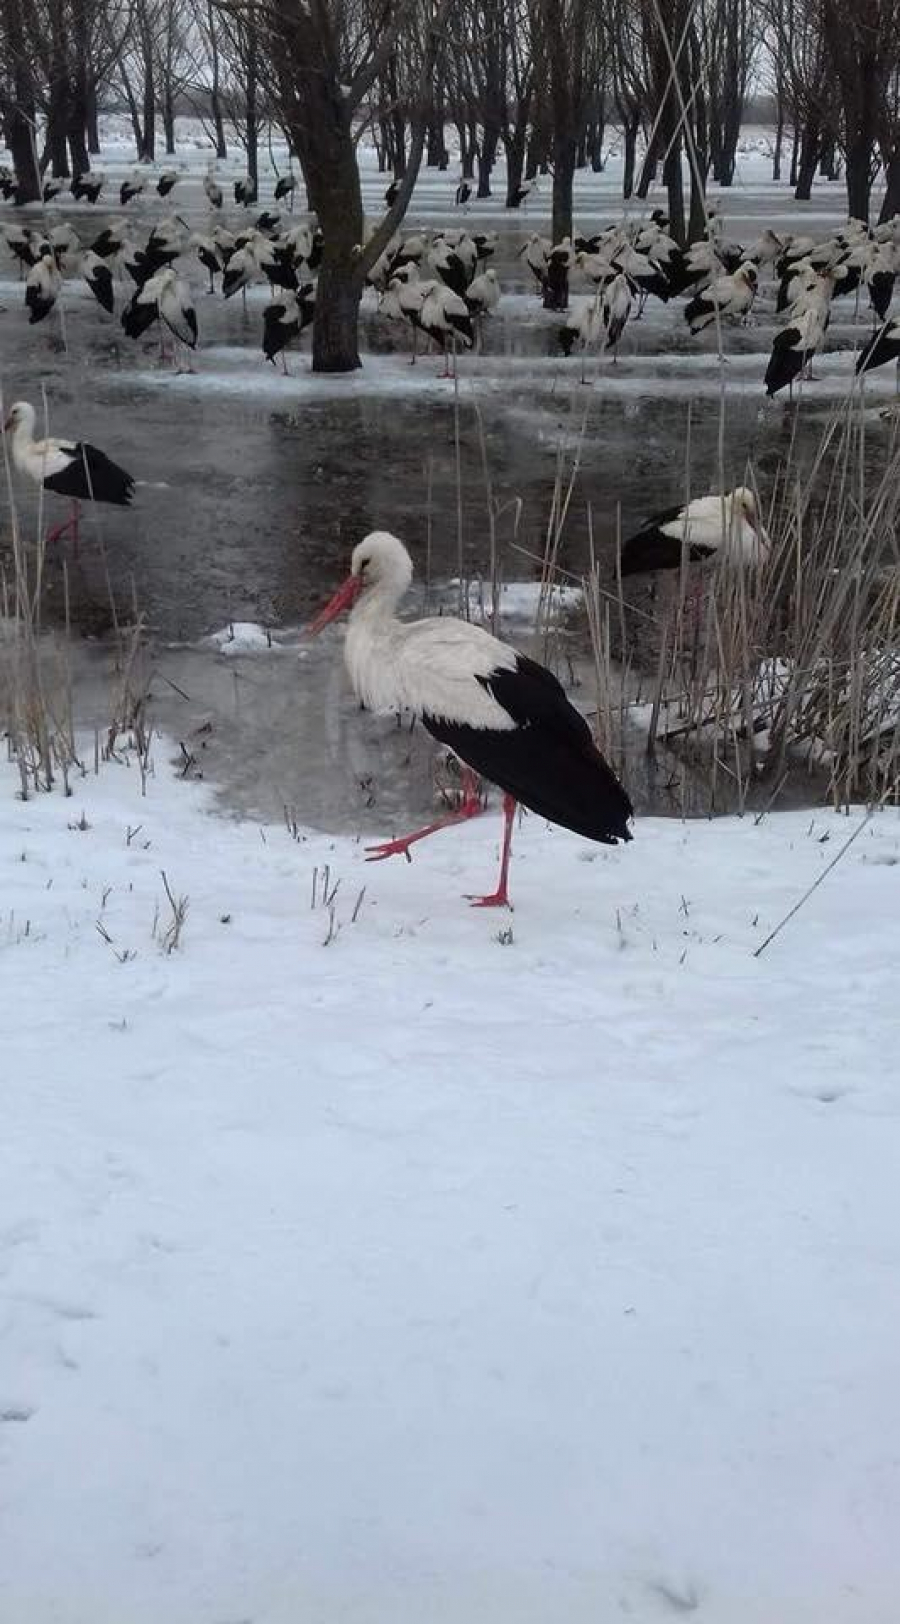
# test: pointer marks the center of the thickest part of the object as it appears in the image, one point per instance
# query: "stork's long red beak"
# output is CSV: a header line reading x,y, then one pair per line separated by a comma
x,y
344,598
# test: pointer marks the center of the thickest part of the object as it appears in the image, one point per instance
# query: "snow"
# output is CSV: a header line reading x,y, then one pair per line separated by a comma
x,y
242,637
470,1268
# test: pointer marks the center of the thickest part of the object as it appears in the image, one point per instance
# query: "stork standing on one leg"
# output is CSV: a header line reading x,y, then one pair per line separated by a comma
x,y
69,467
505,717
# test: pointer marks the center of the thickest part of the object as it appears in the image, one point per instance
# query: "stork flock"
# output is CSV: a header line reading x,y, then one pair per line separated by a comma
x,y
141,275
442,284
627,265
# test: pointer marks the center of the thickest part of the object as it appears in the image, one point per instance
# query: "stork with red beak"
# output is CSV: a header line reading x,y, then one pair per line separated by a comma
x,y
506,717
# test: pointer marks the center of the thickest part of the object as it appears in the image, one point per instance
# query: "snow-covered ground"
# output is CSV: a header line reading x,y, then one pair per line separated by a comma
x,y
469,1268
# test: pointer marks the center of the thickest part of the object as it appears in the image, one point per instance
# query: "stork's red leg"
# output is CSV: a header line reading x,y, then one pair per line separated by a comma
x,y
500,897
469,807
68,525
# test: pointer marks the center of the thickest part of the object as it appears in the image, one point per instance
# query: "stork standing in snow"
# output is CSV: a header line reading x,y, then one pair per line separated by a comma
x,y
482,297
882,348
726,296
709,527
87,187
583,327
536,254
209,256
42,285
132,188
167,299
69,467
506,717
285,186
444,316
794,348
215,195
403,298
99,279
615,309
284,320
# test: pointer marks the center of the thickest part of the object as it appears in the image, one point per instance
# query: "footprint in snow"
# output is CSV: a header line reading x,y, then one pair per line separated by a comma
x,y
15,1412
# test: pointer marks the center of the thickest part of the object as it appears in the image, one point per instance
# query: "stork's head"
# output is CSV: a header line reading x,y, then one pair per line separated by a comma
x,y
744,502
20,415
380,563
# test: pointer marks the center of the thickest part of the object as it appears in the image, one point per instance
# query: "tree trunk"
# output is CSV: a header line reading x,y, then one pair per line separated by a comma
x,y
891,205
779,142
859,178
215,89
58,99
78,123
251,105
437,156
795,154
92,121
486,160
808,163
556,288
336,324
674,183
629,131
168,118
148,150
19,109
134,113
648,168
58,123
398,129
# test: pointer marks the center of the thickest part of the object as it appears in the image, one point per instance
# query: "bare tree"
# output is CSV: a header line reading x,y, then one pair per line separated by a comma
x,y
326,62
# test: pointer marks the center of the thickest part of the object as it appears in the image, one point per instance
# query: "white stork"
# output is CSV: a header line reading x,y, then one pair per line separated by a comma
x,y
167,182
167,299
444,315
483,293
709,527
536,254
584,327
285,186
615,309
794,348
505,717
883,347
42,285
99,278
132,188
69,467
215,195
284,320
208,255
726,296
88,186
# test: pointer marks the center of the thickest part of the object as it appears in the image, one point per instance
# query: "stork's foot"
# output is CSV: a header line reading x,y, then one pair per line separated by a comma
x,y
390,848
497,899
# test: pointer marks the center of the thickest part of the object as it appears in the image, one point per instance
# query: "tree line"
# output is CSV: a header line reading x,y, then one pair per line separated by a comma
x,y
549,85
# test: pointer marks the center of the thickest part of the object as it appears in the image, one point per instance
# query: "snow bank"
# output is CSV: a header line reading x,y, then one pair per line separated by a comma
x,y
468,1268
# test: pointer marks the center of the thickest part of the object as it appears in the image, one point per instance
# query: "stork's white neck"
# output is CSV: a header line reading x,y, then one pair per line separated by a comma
x,y
372,644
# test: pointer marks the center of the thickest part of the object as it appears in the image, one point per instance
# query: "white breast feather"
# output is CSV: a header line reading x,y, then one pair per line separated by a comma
x,y
428,667
41,459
